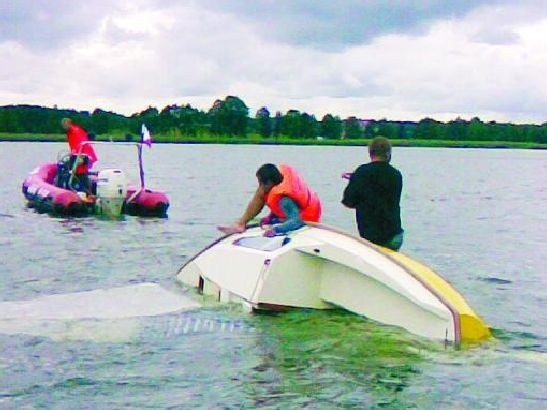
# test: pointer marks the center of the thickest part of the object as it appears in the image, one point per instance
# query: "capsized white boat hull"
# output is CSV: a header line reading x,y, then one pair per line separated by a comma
x,y
322,267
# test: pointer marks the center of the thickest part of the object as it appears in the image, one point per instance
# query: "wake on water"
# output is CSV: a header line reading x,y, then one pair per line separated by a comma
x,y
100,315
112,315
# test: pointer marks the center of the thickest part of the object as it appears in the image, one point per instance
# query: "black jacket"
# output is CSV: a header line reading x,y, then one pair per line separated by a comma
x,y
374,190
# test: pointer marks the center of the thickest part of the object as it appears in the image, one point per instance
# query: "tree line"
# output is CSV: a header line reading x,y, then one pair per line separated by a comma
x,y
230,117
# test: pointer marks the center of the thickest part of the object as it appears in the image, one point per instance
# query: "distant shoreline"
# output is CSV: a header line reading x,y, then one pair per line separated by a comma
x,y
166,139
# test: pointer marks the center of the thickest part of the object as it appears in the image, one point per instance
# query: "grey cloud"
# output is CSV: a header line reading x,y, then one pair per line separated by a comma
x,y
43,24
241,47
321,24
332,25
116,34
495,36
502,20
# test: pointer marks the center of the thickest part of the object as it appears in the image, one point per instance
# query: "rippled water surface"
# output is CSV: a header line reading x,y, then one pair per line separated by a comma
x,y
476,216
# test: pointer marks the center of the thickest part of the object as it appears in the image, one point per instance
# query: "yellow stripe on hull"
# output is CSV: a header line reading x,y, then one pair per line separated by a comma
x,y
472,327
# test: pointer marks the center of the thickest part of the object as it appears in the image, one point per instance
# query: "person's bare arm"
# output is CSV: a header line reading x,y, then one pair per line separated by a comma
x,y
254,207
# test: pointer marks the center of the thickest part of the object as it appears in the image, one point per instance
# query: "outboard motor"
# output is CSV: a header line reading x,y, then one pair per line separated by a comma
x,y
111,192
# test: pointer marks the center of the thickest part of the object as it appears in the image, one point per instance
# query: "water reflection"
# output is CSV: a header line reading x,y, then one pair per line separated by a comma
x,y
332,357
75,225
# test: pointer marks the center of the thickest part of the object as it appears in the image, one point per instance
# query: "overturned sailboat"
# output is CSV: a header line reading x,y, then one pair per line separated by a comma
x,y
322,267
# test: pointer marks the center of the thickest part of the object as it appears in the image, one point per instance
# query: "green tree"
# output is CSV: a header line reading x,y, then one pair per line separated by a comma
x,y
427,129
388,129
408,129
457,130
331,127
478,131
192,120
290,124
299,126
277,123
9,121
371,129
353,128
309,126
264,122
168,118
149,117
103,122
229,117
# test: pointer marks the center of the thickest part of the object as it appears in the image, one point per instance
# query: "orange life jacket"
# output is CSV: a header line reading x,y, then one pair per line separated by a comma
x,y
294,187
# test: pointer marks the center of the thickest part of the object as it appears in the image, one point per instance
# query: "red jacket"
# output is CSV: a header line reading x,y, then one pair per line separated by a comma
x,y
294,187
76,136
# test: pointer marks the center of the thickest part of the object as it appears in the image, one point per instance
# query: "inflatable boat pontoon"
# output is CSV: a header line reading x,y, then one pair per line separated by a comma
x,y
111,194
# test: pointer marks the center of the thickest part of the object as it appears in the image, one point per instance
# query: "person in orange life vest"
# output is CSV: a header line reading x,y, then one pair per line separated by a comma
x,y
76,136
290,200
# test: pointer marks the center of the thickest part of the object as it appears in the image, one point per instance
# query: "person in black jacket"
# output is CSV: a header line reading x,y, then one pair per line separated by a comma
x,y
374,190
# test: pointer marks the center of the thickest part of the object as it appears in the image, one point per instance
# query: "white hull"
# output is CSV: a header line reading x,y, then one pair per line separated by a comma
x,y
321,267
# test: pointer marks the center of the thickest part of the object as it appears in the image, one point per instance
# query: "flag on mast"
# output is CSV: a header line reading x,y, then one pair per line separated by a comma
x,y
146,137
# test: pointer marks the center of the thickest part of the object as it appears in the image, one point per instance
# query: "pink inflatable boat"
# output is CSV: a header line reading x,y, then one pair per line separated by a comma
x,y
42,192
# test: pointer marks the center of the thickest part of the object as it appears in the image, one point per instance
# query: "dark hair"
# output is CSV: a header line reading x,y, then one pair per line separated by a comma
x,y
268,173
380,147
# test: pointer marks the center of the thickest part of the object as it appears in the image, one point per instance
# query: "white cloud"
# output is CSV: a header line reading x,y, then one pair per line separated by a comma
x,y
158,53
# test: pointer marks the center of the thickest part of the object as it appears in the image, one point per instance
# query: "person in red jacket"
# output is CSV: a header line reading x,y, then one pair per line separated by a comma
x,y
84,154
290,200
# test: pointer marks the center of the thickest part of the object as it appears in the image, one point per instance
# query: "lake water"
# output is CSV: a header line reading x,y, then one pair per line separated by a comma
x,y
478,217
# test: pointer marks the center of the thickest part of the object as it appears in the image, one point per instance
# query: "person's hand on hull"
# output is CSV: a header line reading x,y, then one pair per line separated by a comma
x,y
270,232
236,227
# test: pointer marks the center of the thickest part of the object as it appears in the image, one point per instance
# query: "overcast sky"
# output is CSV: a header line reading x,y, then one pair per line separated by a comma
x,y
394,59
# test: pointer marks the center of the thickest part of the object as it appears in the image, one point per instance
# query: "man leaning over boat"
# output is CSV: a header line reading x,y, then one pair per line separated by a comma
x,y
290,200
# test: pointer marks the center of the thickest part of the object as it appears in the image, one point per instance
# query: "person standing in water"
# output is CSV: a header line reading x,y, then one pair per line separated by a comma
x,y
374,191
